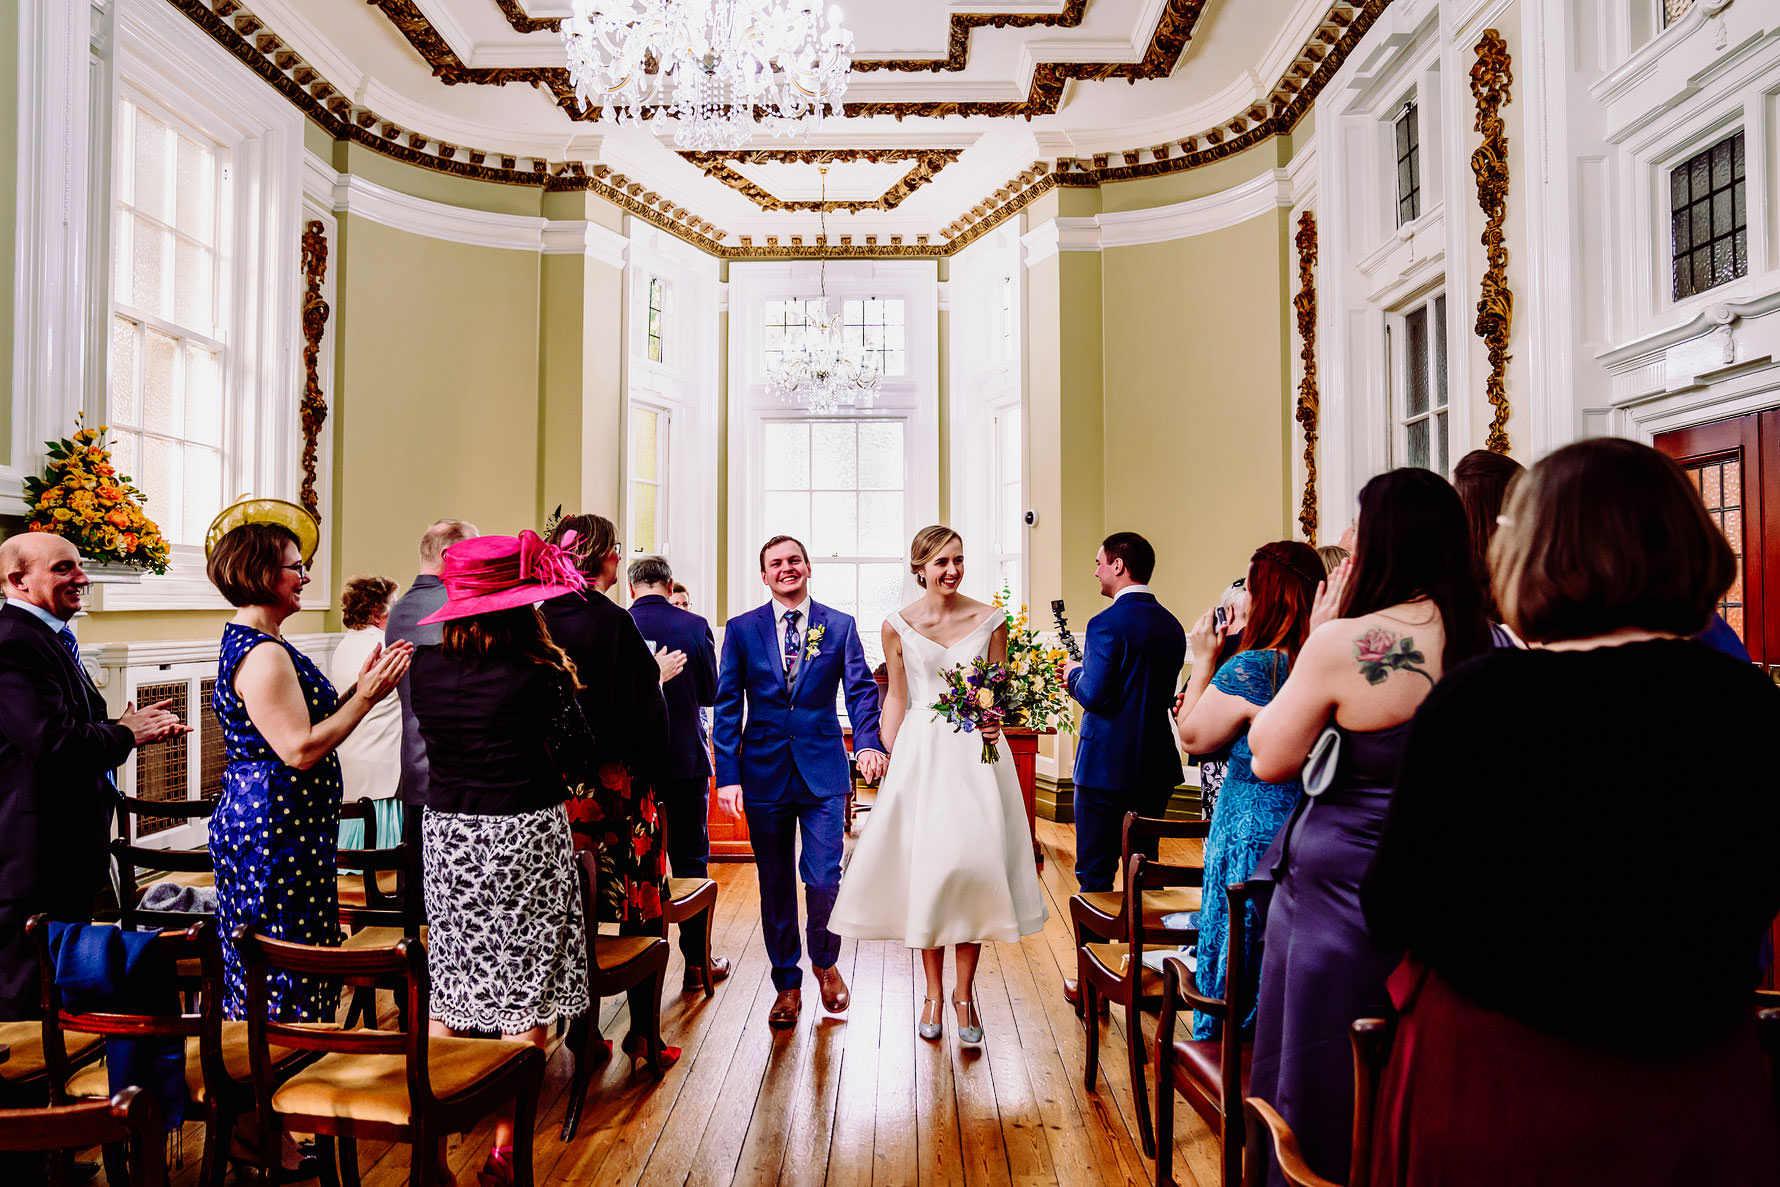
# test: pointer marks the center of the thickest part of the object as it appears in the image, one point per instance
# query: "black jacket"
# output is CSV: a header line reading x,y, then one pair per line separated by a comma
x,y
622,699
56,747
673,629
424,596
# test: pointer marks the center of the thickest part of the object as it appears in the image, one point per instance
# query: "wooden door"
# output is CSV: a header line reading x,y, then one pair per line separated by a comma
x,y
1735,464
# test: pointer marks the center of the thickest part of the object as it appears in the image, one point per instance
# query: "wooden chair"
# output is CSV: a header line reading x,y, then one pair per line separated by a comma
x,y
1211,1073
688,898
218,1079
131,1119
387,911
1115,972
1099,915
187,867
369,899
387,1086
1371,1044
615,964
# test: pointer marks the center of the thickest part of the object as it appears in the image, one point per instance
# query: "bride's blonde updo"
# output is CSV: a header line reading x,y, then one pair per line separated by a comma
x,y
927,544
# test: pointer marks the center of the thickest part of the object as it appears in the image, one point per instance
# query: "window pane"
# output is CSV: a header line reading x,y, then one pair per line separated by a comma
x,y
880,592
643,427
787,513
203,397
203,491
1440,354
880,523
194,305
786,461
880,455
126,362
150,248
1440,446
161,481
834,524
126,448
834,455
149,156
1416,333
196,198
1418,443
642,516
837,585
1007,441
162,402
1012,518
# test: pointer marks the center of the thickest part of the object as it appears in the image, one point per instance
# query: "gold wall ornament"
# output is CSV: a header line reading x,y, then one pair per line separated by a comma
x,y
1491,77
313,407
1308,406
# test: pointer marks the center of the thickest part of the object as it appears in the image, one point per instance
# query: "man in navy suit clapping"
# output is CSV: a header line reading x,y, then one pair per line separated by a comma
x,y
683,779
1126,758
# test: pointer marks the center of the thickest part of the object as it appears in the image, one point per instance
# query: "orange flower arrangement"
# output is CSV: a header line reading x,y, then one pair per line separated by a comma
x,y
81,497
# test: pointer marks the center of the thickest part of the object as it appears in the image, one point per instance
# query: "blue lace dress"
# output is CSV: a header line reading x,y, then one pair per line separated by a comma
x,y
1248,815
274,839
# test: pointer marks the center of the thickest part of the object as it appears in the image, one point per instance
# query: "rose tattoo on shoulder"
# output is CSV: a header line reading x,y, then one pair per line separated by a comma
x,y
1381,652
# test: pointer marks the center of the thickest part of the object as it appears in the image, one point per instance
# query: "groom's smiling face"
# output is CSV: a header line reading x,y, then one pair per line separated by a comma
x,y
786,571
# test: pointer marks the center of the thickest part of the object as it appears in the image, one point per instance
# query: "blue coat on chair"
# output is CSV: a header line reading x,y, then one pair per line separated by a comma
x,y
795,729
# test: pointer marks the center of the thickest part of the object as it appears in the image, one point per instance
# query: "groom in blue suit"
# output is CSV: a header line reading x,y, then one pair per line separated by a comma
x,y
783,762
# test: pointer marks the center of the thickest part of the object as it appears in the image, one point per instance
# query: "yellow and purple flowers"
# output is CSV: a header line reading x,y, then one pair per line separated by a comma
x,y
978,695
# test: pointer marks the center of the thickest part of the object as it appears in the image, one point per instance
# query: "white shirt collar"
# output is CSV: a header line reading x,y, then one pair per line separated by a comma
x,y
1130,589
49,620
803,609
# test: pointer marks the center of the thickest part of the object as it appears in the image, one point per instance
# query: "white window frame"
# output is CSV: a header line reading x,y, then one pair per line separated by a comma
x,y
912,398
1439,336
1412,113
664,432
170,63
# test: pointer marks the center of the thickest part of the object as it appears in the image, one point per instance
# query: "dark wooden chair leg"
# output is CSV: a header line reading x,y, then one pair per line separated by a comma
x,y
114,1158
328,1156
1136,1061
1165,1126
652,1018
523,1113
348,1162
580,1041
1090,1000
1234,1136
423,1161
710,914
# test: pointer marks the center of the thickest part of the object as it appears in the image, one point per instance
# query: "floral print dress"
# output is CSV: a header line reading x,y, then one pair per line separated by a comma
x,y
274,838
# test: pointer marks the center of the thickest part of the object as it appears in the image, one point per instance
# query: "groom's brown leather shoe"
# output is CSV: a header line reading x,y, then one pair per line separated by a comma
x,y
786,1007
834,990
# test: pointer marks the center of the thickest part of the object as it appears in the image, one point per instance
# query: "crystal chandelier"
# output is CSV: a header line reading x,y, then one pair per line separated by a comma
x,y
721,71
825,375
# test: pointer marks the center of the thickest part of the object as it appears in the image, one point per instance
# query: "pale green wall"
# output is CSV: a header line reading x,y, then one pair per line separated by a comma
x,y
435,393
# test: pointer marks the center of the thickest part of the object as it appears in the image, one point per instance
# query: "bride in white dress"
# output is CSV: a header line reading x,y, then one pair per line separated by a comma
x,y
946,858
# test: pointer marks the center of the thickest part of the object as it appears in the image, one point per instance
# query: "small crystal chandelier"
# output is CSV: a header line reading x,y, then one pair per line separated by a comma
x,y
825,375
721,71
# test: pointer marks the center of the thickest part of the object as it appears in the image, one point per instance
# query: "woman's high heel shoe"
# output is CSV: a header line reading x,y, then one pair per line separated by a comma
x,y
637,1048
930,1030
970,1031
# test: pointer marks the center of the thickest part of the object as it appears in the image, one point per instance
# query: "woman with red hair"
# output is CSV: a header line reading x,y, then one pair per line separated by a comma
x,y
1216,710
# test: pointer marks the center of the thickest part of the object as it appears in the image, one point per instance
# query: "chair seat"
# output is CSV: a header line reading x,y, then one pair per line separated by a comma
x,y
94,1079
1115,959
352,887
1201,1059
1156,903
25,1043
616,951
374,1088
379,937
193,878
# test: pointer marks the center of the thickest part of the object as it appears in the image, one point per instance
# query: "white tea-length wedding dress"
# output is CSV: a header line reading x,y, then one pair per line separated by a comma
x,y
946,856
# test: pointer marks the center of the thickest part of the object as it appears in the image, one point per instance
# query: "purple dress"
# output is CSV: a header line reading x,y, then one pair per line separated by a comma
x,y
1320,969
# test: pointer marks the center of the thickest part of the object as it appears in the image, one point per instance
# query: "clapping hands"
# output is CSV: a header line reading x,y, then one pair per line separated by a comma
x,y
151,723
384,669
1329,594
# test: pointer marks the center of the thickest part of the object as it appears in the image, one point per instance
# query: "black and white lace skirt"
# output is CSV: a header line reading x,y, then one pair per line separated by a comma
x,y
506,947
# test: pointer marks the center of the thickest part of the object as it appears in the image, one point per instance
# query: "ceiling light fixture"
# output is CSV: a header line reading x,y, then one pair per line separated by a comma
x,y
720,71
826,374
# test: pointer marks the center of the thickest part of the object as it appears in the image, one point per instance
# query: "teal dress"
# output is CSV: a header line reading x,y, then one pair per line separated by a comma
x,y
1248,815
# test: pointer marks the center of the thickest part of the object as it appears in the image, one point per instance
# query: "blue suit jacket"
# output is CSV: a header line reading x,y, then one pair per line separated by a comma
x,y
672,629
1135,651
793,729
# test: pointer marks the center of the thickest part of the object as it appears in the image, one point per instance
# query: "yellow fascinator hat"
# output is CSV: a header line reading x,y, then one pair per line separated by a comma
x,y
246,510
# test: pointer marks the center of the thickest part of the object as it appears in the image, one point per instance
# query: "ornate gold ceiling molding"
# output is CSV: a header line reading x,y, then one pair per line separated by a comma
x,y
1341,28
1173,30
957,40
928,163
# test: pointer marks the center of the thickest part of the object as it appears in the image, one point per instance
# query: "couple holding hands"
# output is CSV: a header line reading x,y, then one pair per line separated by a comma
x,y
946,859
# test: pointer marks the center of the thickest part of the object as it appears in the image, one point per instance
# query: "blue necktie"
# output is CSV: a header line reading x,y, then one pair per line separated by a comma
x,y
791,649
73,647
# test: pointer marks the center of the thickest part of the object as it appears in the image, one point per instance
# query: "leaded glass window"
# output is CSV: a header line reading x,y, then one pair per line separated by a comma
x,y
1709,218
1409,165
655,304
1720,482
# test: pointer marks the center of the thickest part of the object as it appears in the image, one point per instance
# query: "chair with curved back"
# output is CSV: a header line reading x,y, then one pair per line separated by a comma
x,y
131,1120
187,867
388,1086
1098,916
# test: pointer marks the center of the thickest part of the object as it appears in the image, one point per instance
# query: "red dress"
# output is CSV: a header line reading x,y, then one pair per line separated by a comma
x,y
619,819
1474,1097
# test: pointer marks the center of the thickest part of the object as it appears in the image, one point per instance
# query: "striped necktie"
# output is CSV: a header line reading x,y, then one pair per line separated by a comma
x,y
791,648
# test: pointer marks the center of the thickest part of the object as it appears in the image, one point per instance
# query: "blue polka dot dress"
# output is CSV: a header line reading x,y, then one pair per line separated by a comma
x,y
274,839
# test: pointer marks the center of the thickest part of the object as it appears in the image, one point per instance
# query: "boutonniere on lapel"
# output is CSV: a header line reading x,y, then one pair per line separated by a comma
x,y
812,644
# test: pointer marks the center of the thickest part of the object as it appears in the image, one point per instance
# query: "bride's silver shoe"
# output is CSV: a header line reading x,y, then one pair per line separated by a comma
x,y
970,1034
930,1030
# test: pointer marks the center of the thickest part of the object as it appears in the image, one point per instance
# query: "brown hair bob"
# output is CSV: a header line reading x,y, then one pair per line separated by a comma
x,y
517,632
244,564
1607,534
595,540
362,599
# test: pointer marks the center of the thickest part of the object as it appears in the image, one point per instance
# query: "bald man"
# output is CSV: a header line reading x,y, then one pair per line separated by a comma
x,y
57,755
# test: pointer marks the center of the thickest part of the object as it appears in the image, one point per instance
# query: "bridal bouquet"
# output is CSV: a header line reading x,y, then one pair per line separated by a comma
x,y
1025,691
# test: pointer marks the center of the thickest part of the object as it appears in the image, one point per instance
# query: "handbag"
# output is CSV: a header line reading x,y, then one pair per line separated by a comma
x,y
1322,763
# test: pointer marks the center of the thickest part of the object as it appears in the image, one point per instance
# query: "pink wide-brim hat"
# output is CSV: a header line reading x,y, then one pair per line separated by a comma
x,y
488,573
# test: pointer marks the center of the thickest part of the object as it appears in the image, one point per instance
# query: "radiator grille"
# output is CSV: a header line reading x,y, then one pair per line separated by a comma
x,y
161,766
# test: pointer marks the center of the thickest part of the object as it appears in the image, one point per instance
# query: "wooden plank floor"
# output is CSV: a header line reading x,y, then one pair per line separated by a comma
x,y
850,1099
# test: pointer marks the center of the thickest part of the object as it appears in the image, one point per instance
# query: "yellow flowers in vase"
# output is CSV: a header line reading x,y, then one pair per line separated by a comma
x,y
1036,673
82,498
